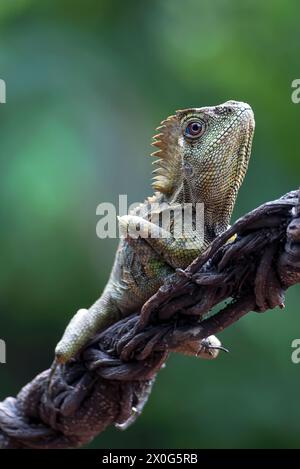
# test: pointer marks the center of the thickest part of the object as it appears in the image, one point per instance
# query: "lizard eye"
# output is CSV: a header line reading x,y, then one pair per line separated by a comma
x,y
194,129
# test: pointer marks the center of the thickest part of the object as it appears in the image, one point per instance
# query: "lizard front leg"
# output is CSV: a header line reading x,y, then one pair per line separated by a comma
x,y
178,252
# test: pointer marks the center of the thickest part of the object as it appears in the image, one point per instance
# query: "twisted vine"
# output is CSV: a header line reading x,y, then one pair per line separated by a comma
x,y
109,383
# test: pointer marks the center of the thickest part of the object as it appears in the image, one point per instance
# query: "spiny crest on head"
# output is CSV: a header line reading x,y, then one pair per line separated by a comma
x,y
168,154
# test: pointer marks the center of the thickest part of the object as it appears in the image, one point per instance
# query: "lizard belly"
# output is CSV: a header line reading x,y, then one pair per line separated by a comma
x,y
137,274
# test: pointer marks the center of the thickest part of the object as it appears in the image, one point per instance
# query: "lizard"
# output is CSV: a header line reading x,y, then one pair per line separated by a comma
x,y
202,157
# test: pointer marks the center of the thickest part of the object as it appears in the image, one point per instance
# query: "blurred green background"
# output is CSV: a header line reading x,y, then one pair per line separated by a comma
x,y
87,83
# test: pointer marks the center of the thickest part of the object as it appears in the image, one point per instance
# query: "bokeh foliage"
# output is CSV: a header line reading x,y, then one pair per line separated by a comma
x,y
87,82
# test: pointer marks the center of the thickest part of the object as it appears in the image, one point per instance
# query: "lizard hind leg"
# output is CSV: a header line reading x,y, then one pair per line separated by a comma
x,y
84,324
208,348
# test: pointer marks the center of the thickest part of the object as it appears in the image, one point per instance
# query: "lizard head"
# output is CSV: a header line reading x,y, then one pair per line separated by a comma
x,y
203,157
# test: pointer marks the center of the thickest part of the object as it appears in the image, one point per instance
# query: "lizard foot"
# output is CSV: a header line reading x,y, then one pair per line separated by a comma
x,y
210,348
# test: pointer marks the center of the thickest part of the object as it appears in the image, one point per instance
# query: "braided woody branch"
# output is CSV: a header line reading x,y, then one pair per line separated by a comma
x,y
110,381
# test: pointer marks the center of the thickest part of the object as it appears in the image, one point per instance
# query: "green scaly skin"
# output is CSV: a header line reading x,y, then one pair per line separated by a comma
x,y
203,163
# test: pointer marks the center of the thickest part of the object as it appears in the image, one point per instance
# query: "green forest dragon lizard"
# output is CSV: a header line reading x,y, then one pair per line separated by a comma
x,y
203,155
